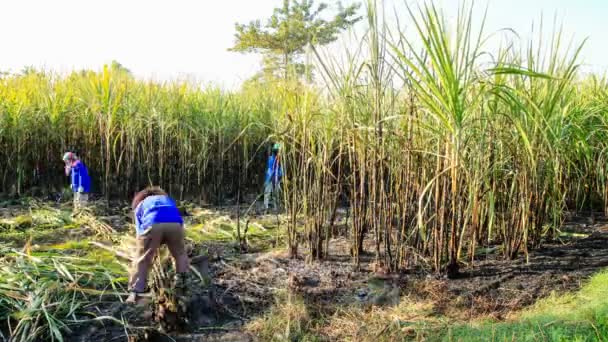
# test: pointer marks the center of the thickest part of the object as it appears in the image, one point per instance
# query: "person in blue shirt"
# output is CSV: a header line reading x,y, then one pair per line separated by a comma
x,y
80,182
157,222
274,173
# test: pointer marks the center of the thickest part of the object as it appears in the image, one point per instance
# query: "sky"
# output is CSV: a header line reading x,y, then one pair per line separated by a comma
x,y
188,39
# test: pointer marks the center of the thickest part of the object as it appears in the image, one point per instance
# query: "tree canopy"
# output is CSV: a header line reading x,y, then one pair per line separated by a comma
x,y
284,37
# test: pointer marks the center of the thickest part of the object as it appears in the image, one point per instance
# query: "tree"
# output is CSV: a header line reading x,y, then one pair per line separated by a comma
x,y
117,67
287,33
30,70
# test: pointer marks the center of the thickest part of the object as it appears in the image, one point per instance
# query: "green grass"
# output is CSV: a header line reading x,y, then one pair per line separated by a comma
x,y
225,230
573,235
579,316
42,225
41,293
288,320
72,245
109,261
38,236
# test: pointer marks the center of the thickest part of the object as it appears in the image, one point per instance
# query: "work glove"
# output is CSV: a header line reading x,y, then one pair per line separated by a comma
x,y
80,189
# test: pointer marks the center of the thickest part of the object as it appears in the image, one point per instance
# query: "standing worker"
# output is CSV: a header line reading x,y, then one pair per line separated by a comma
x,y
274,173
157,222
81,182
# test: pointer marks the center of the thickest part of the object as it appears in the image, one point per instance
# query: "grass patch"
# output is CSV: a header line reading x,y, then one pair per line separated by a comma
x,y
580,316
20,238
41,295
109,261
72,245
224,229
573,235
407,320
46,235
41,225
288,320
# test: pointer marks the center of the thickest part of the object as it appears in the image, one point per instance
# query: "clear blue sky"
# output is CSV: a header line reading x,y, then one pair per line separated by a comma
x,y
189,38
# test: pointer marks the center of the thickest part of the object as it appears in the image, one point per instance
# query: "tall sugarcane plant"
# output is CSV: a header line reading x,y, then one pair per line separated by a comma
x,y
434,142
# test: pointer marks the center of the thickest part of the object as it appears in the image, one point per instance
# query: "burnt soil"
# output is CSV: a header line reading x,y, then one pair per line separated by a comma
x,y
490,287
495,287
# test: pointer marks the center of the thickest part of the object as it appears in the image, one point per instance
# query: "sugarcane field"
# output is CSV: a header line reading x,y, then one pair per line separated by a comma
x,y
300,170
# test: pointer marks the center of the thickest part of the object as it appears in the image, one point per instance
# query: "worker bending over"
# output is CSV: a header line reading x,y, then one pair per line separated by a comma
x,y
158,221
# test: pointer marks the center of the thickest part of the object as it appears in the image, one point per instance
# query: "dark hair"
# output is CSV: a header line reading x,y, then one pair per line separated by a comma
x,y
145,193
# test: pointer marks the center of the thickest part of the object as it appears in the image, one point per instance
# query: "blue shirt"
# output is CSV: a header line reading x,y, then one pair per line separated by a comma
x,y
80,177
274,172
156,209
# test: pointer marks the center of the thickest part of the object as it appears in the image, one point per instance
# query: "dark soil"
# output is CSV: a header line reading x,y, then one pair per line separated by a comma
x,y
491,286
494,286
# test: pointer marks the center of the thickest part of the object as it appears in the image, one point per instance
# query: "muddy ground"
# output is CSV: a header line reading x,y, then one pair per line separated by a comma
x,y
245,286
